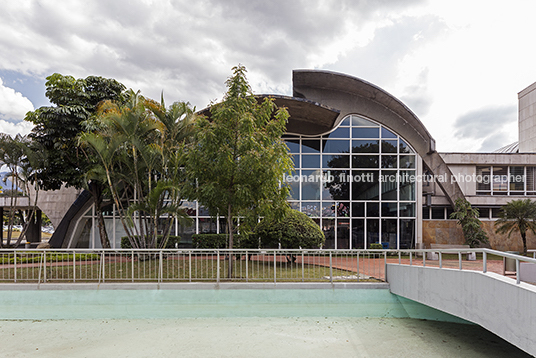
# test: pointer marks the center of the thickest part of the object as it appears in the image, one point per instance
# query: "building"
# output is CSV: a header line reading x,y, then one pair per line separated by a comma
x,y
367,171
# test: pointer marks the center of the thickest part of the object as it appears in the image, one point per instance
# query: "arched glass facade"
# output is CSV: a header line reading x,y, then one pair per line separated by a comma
x,y
358,183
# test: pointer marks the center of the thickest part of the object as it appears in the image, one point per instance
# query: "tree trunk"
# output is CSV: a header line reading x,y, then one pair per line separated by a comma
x,y
524,239
96,190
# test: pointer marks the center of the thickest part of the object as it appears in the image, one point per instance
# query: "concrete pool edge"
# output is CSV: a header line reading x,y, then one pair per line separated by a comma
x,y
194,286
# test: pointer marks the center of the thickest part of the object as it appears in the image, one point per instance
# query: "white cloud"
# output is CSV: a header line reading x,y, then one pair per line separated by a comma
x,y
13,105
443,58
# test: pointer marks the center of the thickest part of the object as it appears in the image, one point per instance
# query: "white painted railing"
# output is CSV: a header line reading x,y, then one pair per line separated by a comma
x,y
190,265
415,260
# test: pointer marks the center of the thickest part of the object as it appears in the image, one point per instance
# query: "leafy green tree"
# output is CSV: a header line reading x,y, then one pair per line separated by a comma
x,y
56,131
467,217
22,162
140,146
517,216
238,158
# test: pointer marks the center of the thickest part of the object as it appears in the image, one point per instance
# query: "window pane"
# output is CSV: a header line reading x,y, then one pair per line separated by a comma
x,y
365,161
346,121
365,185
389,146
389,161
483,178
373,231
500,179
310,161
407,161
358,209
328,226
337,187
293,145
404,147
335,161
310,208
362,122
425,212
310,146
389,209
336,146
407,233
296,160
310,183
407,185
365,146
358,233
365,132
389,184
531,178
386,133
343,234
517,178
389,231
339,133
407,209
438,213
328,209
373,209
343,210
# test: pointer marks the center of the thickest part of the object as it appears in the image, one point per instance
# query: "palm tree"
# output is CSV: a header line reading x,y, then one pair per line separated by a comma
x,y
517,216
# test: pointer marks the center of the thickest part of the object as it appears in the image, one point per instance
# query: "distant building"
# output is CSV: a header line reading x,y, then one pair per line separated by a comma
x,y
367,172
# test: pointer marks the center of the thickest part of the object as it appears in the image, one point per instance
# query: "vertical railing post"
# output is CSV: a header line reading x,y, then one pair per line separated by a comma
x,y
399,257
484,262
15,262
424,259
385,265
247,267
330,267
302,267
74,266
102,266
275,268
218,266
518,277
190,266
44,266
358,253
132,264
410,259
440,259
160,266
460,259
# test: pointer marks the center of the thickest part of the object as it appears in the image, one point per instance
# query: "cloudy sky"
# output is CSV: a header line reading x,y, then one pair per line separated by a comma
x,y
457,64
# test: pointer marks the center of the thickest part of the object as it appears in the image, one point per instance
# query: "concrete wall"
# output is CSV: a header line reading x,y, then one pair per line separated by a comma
x,y
527,119
449,232
181,300
490,300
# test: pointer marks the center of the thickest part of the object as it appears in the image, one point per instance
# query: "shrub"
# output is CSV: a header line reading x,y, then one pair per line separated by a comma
x,y
172,240
220,241
376,246
296,230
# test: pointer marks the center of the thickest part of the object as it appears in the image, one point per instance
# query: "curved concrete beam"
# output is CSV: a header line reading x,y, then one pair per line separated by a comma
x,y
351,95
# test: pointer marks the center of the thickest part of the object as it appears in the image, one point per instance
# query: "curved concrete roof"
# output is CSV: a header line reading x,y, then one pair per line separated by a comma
x,y
306,117
351,95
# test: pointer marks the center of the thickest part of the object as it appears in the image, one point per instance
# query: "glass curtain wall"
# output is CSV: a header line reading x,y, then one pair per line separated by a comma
x,y
358,183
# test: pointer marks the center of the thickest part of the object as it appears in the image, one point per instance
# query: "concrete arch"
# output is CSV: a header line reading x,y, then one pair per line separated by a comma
x,y
351,95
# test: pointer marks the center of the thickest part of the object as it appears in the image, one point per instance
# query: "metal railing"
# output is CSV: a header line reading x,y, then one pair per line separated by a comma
x,y
190,265
480,264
